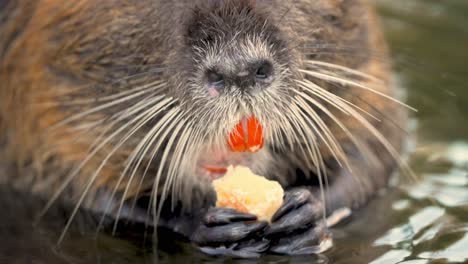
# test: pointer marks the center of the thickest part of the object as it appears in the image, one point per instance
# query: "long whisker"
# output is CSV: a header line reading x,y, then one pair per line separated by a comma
x,y
193,147
392,151
285,124
115,118
165,124
150,114
156,208
171,121
316,161
344,69
355,84
103,106
300,126
180,156
121,116
96,173
178,161
348,133
321,175
333,100
328,138
75,172
114,96
313,88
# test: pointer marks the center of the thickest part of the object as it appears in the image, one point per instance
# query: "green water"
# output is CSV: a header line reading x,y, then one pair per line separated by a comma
x,y
416,222
424,221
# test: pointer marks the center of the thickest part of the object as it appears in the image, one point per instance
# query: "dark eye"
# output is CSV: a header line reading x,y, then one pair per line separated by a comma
x,y
264,71
214,78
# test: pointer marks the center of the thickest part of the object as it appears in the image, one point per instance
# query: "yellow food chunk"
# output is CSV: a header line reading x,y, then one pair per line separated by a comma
x,y
246,192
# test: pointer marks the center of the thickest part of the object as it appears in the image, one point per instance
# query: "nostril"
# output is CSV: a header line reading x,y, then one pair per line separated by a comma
x,y
264,71
214,78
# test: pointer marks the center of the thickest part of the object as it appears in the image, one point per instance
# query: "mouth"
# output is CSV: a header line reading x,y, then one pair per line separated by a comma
x,y
246,137
215,172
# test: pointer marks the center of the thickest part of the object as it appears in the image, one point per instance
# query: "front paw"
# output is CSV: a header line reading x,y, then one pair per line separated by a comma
x,y
225,231
298,227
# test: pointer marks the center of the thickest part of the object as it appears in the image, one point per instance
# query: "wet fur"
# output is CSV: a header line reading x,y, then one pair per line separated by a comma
x,y
60,59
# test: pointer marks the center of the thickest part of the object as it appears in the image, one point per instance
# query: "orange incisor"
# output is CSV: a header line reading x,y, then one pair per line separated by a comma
x,y
247,136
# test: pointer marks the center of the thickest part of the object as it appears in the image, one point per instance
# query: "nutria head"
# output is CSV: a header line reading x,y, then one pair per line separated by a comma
x,y
135,97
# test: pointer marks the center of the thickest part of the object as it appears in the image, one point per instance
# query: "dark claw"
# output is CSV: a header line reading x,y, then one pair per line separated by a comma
x,y
313,241
293,199
251,249
225,234
298,212
297,227
254,245
231,233
299,219
222,216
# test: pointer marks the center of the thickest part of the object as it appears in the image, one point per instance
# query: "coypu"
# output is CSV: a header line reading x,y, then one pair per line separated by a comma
x,y
120,107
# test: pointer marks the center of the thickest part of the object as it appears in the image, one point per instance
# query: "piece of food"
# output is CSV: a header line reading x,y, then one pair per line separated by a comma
x,y
246,192
247,136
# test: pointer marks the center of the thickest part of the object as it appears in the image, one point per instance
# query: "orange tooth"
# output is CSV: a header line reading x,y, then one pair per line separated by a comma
x,y
247,136
237,138
255,135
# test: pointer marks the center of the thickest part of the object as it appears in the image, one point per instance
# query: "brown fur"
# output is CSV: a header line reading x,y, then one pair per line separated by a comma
x,y
54,53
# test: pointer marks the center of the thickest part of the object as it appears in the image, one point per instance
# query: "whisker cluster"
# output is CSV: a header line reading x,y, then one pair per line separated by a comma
x,y
173,137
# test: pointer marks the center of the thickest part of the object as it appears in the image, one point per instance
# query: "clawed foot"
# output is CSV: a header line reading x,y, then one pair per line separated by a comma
x,y
231,233
298,226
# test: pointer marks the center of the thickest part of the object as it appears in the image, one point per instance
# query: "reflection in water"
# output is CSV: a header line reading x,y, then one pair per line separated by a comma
x,y
408,231
432,232
454,253
392,256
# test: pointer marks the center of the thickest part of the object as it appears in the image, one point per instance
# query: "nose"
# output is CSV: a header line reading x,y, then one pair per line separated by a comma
x,y
257,74
263,71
